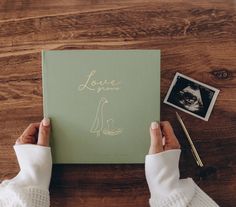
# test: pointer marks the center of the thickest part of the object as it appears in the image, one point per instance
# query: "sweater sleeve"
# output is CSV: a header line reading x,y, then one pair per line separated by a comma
x,y
30,187
167,190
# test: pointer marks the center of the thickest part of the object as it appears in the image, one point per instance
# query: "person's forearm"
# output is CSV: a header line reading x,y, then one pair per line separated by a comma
x,y
35,165
166,188
30,186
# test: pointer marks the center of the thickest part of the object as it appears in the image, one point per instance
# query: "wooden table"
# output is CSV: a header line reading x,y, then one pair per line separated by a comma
x,y
197,38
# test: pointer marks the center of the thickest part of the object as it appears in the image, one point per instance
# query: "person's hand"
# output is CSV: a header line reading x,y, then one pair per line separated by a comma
x,y
162,137
34,156
36,133
161,165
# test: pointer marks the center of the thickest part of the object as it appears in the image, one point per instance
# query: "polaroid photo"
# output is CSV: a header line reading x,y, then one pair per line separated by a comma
x,y
191,96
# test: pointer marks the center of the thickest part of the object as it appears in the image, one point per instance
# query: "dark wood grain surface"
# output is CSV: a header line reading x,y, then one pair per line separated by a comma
x,y
197,38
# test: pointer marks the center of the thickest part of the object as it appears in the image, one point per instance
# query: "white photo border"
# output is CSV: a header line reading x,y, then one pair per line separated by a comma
x,y
213,100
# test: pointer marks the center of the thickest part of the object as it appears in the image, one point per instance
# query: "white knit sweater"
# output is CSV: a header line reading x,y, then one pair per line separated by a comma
x,y
30,187
167,190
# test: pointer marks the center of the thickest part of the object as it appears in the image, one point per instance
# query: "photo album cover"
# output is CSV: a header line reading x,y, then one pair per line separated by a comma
x,y
191,96
101,103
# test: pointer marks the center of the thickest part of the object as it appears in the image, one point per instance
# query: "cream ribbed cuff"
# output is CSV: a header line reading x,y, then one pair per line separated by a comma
x,y
35,165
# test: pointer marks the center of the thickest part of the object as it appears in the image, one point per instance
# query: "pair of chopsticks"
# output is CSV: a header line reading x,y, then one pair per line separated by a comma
x,y
193,148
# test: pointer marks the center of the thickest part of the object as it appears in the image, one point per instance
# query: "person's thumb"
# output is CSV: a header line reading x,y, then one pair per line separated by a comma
x,y
44,132
156,139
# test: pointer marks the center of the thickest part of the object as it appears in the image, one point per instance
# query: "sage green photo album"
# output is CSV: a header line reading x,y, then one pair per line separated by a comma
x,y
101,103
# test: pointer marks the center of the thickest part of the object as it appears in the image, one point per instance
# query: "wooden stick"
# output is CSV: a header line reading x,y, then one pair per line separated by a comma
x,y
193,149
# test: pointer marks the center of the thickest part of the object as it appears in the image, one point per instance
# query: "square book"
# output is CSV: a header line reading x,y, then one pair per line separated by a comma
x,y
101,103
